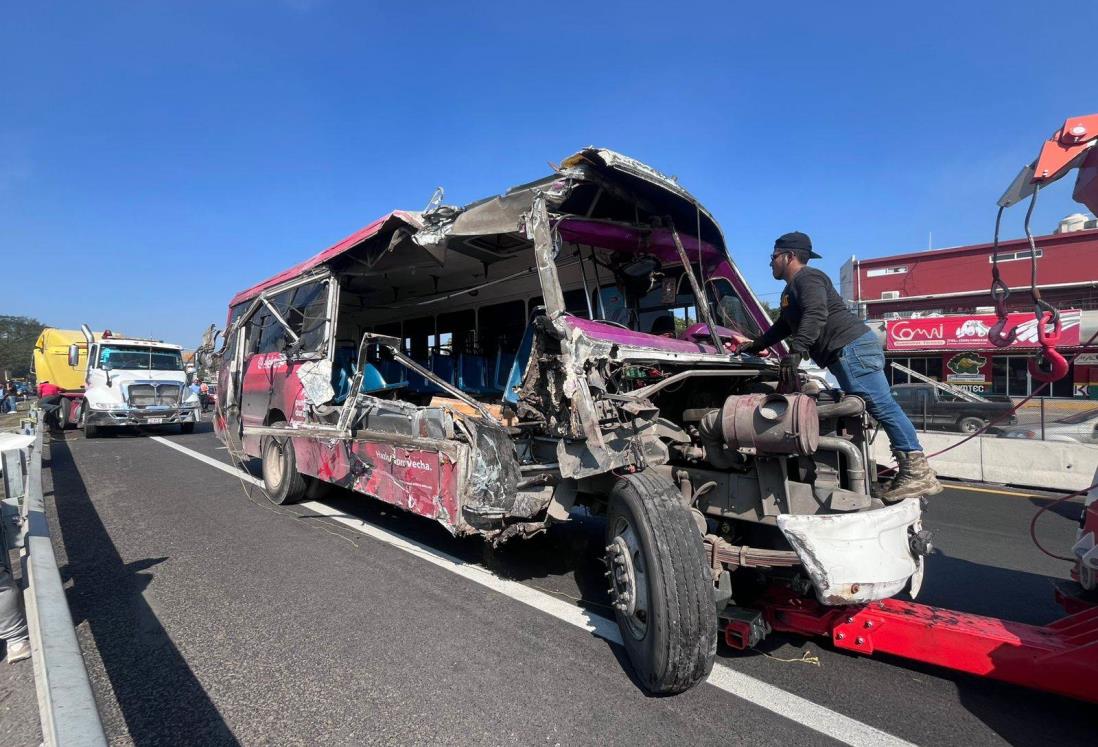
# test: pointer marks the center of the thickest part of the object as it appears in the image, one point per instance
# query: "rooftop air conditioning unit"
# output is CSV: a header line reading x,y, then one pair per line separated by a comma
x,y
1073,222
889,295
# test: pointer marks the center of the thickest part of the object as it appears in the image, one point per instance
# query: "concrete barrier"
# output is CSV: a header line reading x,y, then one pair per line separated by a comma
x,y
1013,461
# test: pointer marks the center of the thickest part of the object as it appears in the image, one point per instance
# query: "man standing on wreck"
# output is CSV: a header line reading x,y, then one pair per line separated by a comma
x,y
819,325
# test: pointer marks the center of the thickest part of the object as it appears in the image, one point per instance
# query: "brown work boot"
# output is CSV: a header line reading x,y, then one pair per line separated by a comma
x,y
914,478
901,459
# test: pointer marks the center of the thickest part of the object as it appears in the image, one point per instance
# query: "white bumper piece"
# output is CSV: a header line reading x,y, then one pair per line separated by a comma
x,y
1086,551
858,557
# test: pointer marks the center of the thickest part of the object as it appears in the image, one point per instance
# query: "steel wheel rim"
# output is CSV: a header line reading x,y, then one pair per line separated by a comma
x,y
629,578
273,464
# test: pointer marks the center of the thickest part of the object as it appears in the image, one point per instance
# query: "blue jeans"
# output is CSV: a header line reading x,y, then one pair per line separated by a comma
x,y
860,371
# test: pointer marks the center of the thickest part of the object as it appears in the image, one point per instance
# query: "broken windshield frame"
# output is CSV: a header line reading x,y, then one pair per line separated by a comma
x,y
637,300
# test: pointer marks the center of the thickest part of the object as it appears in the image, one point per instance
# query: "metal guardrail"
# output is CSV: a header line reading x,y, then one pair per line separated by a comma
x,y
66,704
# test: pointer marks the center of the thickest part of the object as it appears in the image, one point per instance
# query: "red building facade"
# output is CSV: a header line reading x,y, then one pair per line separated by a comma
x,y
933,308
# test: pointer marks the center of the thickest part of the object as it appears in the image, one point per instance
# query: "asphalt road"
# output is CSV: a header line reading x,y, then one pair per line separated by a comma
x,y
207,615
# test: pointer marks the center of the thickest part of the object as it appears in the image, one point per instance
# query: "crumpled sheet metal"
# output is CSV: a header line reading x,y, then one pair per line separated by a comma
x,y
857,557
451,483
316,380
491,488
422,481
404,418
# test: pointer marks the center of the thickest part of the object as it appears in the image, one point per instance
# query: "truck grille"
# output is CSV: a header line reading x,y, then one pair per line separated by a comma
x,y
152,395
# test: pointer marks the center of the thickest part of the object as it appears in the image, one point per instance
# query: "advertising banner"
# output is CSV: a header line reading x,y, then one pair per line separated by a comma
x,y
969,331
970,371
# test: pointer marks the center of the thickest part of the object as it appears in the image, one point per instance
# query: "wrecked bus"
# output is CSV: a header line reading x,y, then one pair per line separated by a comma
x,y
568,343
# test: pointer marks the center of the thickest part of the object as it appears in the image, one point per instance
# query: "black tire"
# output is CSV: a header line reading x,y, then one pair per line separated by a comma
x,y
90,431
283,483
185,428
672,646
317,489
64,407
970,425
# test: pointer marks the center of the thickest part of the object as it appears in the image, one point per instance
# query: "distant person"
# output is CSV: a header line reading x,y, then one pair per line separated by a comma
x,y
51,402
820,326
46,389
204,395
196,388
10,401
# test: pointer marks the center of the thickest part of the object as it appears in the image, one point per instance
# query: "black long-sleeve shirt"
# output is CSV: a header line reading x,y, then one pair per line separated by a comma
x,y
815,317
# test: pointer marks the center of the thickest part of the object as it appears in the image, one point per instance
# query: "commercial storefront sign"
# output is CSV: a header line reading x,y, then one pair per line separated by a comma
x,y
969,331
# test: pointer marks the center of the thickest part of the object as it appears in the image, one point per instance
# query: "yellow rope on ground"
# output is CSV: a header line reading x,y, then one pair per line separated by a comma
x,y
806,658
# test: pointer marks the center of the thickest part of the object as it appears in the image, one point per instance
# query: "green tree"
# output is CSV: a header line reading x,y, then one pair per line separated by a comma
x,y
771,311
17,336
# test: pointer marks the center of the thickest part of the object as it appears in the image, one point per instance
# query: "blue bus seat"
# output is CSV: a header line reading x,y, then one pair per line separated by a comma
x,y
443,367
518,367
472,375
418,383
393,371
343,373
504,361
490,366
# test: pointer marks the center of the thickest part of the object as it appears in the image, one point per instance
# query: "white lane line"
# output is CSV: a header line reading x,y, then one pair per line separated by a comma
x,y
208,460
786,704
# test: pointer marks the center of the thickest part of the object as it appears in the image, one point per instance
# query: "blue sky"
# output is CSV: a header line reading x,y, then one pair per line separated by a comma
x,y
157,157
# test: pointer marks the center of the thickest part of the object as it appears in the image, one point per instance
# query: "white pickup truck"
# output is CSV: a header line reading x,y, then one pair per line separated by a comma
x,y
131,381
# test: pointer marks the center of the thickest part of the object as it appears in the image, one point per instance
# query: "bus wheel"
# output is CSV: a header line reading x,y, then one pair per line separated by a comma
x,y
186,428
283,483
661,587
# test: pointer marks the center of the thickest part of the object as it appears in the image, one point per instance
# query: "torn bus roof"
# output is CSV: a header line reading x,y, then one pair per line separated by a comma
x,y
501,214
403,217
492,229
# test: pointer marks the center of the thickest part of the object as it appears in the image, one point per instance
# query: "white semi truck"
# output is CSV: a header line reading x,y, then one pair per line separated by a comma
x,y
132,381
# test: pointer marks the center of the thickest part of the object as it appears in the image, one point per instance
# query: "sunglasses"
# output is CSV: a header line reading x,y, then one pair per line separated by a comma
x,y
775,255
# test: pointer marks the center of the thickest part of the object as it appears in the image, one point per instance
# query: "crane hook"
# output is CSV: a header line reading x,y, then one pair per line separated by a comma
x,y
1048,365
998,335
